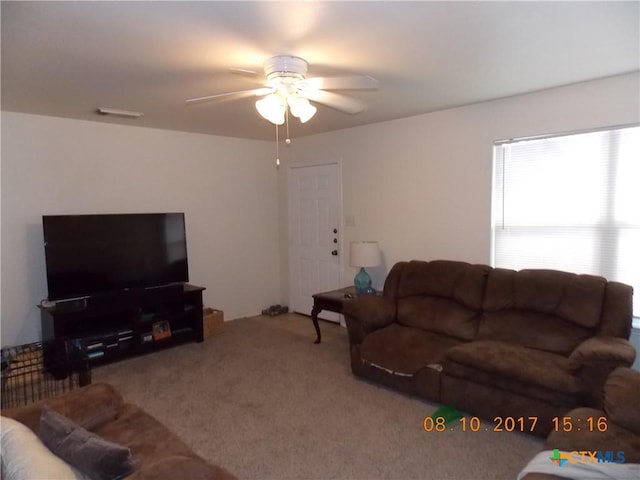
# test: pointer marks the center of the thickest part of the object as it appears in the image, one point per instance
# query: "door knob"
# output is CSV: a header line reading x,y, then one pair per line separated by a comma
x,y
335,240
334,253
335,230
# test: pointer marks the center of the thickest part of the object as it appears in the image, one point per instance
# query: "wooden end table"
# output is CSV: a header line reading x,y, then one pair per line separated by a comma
x,y
332,301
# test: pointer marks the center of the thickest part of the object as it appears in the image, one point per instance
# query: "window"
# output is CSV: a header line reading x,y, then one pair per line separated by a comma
x,y
570,202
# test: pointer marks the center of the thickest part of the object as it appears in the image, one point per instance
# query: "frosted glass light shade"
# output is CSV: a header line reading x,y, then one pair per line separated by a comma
x,y
272,108
301,108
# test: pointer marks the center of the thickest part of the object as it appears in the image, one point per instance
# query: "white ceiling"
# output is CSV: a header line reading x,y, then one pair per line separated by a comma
x,y
68,58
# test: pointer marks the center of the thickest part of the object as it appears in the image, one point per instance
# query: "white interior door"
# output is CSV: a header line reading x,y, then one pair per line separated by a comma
x,y
314,235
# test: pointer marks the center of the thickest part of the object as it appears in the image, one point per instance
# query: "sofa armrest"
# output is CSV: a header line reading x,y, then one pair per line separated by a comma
x,y
90,407
364,315
594,360
621,398
601,351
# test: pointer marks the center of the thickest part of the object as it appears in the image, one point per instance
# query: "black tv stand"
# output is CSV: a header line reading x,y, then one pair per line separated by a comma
x,y
121,324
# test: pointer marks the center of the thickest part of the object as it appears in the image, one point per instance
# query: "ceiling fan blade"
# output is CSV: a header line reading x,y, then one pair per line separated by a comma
x,y
354,82
246,72
334,100
231,95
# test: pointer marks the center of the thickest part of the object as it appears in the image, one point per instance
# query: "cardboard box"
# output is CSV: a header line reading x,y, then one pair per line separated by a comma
x,y
212,321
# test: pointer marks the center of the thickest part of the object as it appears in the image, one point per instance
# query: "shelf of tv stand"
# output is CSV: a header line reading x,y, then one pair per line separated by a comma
x,y
117,325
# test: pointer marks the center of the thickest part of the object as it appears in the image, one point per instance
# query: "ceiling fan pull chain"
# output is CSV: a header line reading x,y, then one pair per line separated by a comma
x,y
277,148
287,140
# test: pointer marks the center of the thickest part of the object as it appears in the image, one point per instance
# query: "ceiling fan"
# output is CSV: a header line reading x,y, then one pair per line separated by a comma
x,y
286,89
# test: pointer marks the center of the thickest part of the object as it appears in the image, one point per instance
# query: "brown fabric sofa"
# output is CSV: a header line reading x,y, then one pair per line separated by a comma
x,y
618,432
493,342
157,453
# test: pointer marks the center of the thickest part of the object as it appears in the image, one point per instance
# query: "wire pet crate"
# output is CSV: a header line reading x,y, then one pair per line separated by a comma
x,y
37,371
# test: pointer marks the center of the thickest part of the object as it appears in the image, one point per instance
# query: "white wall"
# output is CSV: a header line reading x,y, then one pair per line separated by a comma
x,y
228,189
421,186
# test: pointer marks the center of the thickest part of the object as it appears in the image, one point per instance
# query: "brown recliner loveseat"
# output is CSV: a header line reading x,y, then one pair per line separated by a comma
x,y
157,453
496,343
592,440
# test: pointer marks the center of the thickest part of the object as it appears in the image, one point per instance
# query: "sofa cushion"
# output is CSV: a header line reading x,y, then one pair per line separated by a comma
x,y
155,448
543,375
24,456
405,350
543,309
100,459
441,296
576,298
459,281
540,331
439,315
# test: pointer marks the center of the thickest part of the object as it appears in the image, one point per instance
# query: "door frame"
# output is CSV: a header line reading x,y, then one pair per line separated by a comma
x,y
341,264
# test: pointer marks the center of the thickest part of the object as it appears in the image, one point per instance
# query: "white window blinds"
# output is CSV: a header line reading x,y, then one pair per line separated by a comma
x,y
570,203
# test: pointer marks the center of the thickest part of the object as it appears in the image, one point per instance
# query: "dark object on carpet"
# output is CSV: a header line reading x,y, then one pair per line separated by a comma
x,y
157,453
275,310
493,342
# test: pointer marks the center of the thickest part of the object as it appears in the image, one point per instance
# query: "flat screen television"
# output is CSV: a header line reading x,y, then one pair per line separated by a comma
x,y
94,254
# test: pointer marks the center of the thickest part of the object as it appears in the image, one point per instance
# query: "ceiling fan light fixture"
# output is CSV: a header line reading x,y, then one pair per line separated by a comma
x,y
308,114
272,108
301,108
282,66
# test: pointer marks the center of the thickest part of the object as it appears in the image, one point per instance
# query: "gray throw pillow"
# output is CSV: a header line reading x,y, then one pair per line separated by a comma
x,y
93,455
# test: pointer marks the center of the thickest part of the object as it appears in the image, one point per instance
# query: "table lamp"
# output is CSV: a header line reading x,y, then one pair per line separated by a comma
x,y
363,254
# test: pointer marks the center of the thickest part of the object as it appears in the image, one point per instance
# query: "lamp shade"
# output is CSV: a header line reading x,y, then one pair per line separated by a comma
x,y
301,108
272,108
364,254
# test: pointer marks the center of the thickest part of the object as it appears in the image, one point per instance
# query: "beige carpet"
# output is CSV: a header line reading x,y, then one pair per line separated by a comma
x,y
263,401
